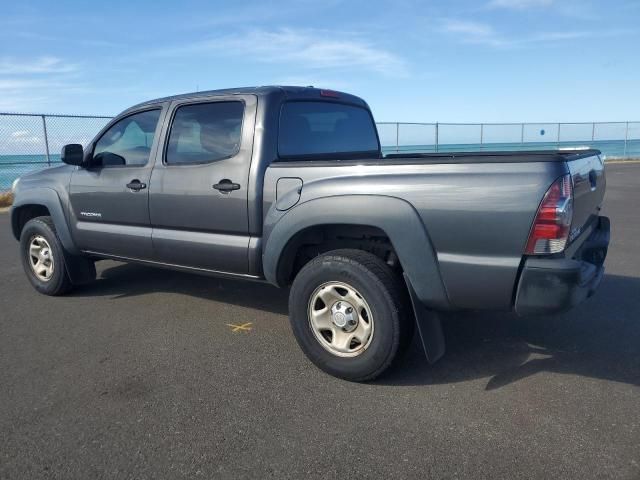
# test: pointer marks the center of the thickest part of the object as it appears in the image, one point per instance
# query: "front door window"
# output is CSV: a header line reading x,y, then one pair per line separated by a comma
x,y
127,142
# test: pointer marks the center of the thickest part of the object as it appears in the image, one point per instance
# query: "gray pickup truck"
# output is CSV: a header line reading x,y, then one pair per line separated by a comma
x,y
288,185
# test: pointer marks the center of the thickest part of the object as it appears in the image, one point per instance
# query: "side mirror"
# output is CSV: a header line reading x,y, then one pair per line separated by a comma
x,y
72,154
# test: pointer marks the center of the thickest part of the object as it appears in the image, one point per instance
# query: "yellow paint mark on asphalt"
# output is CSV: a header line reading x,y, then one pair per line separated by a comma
x,y
245,327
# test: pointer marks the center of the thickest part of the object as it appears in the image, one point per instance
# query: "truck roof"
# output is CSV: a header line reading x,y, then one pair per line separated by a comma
x,y
296,92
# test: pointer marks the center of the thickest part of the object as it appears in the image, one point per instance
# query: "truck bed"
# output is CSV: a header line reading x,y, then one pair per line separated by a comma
x,y
476,207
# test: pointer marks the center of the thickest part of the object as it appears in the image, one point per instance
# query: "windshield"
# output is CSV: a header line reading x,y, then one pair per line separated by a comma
x,y
326,129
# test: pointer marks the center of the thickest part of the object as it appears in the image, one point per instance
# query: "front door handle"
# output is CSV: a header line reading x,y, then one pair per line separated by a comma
x,y
226,186
136,185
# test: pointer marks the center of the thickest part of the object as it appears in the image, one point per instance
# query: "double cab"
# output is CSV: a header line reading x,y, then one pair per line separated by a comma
x,y
288,185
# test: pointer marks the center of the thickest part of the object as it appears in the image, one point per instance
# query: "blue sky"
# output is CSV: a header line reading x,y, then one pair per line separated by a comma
x,y
448,61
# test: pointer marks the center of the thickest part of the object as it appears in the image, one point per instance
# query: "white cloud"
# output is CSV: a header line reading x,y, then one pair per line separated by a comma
x,y
520,4
33,84
553,36
19,133
313,80
12,88
484,34
468,28
10,66
25,138
34,94
472,32
576,9
307,49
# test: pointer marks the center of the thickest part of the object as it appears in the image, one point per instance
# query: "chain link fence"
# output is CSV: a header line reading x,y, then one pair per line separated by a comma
x,y
614,139
29,142
32,141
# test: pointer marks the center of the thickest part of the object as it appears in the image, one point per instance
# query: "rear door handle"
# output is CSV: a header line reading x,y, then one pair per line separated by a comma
x,y
226,186
136,185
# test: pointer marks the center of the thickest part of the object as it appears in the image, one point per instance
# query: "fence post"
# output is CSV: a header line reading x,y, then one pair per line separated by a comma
x,y
626,137
397,137
46,139
522,134
558,142
437,136
481,134
593,131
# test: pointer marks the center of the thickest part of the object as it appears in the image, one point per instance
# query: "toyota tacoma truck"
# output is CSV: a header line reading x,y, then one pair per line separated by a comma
x,y
288,185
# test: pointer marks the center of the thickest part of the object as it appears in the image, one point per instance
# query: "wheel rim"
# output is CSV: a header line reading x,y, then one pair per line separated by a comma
x,y
340,319
41,258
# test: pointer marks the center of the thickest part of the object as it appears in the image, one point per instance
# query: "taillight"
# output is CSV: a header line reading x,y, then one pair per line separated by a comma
x,y
551,226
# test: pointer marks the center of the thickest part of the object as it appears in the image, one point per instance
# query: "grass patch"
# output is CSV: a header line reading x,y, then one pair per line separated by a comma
x,y
6,199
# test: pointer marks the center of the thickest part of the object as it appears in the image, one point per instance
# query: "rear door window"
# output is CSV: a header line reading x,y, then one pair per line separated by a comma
x,y
205,132
325,129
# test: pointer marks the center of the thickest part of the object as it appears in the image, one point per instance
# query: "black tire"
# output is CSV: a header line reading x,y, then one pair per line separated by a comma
x,y
385,293
59,282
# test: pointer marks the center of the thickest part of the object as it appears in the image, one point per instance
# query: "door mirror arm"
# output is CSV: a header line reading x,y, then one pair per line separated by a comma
x,y
87,160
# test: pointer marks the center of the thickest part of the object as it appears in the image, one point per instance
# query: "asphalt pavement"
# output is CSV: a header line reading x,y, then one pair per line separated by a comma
x,y
154,374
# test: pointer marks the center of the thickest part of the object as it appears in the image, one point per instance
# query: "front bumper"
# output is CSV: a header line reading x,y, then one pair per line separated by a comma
x,y
553,285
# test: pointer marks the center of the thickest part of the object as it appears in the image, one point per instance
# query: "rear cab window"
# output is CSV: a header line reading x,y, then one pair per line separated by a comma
x,y
313,129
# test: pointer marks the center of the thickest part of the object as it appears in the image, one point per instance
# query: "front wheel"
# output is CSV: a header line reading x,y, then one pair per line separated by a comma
x,y
43,257
348,311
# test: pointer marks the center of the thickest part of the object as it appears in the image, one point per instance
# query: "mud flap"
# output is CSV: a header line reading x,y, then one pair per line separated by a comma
x,y
81,270
429,327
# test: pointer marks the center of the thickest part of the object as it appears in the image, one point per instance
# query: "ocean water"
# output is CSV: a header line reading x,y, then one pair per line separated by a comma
x,y
13,166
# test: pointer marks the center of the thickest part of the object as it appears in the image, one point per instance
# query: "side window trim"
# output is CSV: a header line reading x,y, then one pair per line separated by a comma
x,y
172,115
156,136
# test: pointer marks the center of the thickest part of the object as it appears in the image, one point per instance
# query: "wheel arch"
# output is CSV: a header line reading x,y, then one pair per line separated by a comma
x,y
41,202
316,239
396,218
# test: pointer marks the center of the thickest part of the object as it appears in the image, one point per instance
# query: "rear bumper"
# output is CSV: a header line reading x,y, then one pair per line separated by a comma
x,y
558,284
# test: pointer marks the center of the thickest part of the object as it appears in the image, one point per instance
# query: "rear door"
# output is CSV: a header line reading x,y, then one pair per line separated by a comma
x,y
199,187
109,200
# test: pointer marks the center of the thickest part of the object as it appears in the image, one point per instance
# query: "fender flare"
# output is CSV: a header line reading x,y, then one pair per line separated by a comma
x,y
46,197
396,217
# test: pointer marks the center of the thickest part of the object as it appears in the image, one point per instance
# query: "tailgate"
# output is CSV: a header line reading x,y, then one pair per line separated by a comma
x,y
589,185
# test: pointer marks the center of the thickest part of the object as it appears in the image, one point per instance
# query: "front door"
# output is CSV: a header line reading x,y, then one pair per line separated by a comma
x,y
199,188
109,199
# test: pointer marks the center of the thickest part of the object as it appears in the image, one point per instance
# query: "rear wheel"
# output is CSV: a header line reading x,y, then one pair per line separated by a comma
x,y
348,311
43,257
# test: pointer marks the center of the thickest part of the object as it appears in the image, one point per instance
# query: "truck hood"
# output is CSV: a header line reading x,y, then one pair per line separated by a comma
x,y
47,173
56,178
